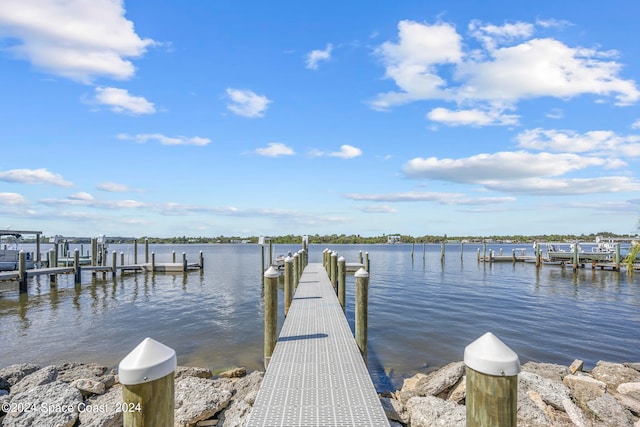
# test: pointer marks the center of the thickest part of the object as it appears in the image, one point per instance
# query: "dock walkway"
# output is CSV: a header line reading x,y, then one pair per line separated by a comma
x,y
316,376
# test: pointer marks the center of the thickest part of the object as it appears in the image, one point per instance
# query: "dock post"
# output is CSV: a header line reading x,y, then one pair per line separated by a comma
x,y
362,310
270,252
153,262
121,258
442,251
201,261
184,261
366,262
294,272
334,271
114,262
173,256
617,255
360,257
38,256
135,251
513,256
22,271
78,268
324,259
270,313
262,265
146,250
413,244
484,252
492,383
300,263
575,256
94,252
288,283
478,254
538,255
147,375
461,250
342,282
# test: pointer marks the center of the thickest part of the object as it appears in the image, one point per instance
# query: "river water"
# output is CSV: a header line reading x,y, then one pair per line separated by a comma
x,y
422,311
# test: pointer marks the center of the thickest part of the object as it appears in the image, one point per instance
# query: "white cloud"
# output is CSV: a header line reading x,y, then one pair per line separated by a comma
x,y
428,63
316,56
120,101
569,186
636,124
165,140
83,196
76,39
34,176
12,199
113,187
603,142
377,209
472,117
247,103
275,149
500,166
346,152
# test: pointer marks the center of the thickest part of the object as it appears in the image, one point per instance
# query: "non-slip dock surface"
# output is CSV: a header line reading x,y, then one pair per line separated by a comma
x,y
316,376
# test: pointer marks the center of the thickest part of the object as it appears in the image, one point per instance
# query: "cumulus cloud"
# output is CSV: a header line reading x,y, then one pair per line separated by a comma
x,y
275,149
34,176
428,62
76,39
315,56
113,187
565,186
498,166
377,209
636,124
247,103
165,140
601,142
12,199
471,117
346,152
120,101
427,196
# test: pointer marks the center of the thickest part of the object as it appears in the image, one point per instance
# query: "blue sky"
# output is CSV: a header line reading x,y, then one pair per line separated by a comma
x,y
207,118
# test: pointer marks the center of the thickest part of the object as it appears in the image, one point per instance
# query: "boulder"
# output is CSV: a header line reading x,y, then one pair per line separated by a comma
x,y
45,375
12,374
610,412
584,388
234,373
550,371
199,399
246,388
441,380
244,391
88,387
102,410
395,410
52,404
69,372
614,374
408,389
631,389
459,392
430,411
190,371
629,402
576,366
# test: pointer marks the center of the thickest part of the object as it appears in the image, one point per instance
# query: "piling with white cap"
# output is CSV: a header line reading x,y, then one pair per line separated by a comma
x,y
492,383
342,282
362,310
147,375
288,283
270,313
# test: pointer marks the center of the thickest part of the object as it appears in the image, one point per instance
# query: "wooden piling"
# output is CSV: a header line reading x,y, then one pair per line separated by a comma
x,y
296,268
442,250
366,262
114,263
362,310
146,250
94,252
492,383
173,256
201,261
334,270
153,262
576,257
412,248
360,257
270,313
135,251
147,375
22,271
184,262
342,282
77,266
288,283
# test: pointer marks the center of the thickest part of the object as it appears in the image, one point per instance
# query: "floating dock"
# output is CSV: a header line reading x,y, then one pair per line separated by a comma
x,y
316,375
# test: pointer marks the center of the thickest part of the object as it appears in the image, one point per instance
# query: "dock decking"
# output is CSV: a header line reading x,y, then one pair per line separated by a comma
x,y
316,376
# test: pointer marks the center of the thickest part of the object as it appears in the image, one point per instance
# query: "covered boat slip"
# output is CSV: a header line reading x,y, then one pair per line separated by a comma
x,y
316,375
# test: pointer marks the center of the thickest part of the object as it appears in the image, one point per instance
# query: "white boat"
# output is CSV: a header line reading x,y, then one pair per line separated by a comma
x,y
9,251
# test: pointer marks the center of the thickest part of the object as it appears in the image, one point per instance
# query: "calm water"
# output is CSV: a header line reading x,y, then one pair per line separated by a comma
x,y
422,312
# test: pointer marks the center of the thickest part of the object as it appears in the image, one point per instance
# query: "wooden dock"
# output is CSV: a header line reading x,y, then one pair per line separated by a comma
x,y
316,375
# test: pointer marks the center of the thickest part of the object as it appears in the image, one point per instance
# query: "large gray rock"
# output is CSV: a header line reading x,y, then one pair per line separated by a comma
x,y
610,412
198,399
87,386
46,375
395,410
69,372
614,374
191,371
245,391
631,389
441,380
52,404
584,388
93,414
550,371
12,374
430,411
408,389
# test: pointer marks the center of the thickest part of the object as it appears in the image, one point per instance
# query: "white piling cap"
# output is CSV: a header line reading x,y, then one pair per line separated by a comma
x,y
288,259
488,355
361,273
149,361
341,258
271,272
